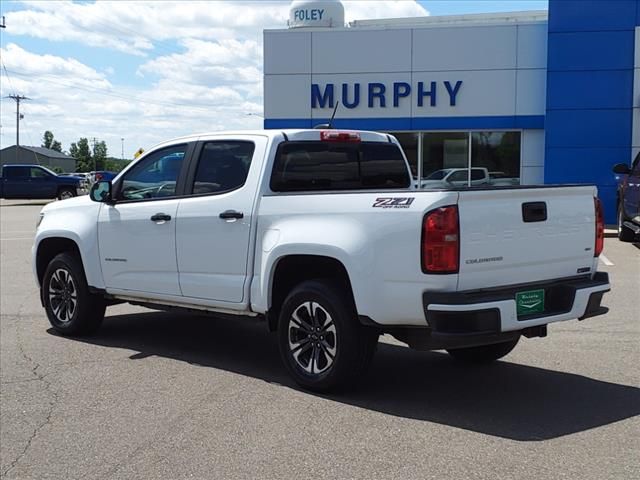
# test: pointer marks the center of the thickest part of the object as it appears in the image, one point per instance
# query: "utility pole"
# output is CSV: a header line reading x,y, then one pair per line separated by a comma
x,y
122,152
18,98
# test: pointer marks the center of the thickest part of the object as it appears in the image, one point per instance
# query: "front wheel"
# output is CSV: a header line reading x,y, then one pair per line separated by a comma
x,y
322,344
66,193
71,308
484,353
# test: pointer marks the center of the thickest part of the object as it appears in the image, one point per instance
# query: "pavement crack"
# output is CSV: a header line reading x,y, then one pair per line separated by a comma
x,y
53,400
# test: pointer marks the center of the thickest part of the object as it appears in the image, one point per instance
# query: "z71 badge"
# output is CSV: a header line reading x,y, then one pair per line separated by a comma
x,y
393,202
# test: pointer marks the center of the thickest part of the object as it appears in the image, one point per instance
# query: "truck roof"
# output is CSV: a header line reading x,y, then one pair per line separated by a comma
x,y
308,134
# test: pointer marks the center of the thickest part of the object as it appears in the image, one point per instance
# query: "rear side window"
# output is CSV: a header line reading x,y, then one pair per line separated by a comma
x,y
223,166
16,172
312,166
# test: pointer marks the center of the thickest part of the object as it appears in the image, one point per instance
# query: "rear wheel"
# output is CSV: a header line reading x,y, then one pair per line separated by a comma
x,y
322,344
484,353
624,234
66,193
71,308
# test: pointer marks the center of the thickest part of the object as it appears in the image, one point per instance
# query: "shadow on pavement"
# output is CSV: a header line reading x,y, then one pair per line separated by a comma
x,y
504,399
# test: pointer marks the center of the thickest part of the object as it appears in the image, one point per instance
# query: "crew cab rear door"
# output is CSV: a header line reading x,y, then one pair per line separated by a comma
x,y
511,236
215,218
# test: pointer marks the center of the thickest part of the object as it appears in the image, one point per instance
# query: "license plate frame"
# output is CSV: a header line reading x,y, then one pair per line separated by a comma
x,y
530,302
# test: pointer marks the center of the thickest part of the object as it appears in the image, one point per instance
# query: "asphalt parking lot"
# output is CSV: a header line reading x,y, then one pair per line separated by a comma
x,y
160,396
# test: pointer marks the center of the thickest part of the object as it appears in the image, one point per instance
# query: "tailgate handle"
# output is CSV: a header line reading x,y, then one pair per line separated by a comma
x,y
534,212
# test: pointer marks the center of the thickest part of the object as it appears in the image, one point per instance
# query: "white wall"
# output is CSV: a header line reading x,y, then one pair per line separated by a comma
x,y
502,67
532,157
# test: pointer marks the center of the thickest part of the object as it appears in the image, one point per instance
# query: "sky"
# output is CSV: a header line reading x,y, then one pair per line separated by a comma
x,y
135,73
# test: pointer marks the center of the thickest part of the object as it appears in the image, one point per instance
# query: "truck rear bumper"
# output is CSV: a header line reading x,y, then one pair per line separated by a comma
x,y
494,311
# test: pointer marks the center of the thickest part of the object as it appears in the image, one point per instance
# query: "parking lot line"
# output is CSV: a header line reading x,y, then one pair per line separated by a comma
x,y
605,260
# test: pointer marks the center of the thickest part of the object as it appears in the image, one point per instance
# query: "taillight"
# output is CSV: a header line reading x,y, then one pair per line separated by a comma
x,y
335,136
441,240
599,228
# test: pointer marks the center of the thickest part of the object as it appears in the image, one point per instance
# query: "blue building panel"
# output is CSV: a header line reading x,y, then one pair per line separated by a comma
x,y
416,123
590,90
590,50
586,165
588,128
592,15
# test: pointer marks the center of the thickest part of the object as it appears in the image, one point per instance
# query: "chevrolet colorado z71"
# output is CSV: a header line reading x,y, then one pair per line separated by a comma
x,y
320,233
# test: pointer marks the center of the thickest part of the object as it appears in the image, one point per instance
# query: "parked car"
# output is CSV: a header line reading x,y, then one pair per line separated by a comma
x,y
319,234
448,177
628,200
38,182
501,178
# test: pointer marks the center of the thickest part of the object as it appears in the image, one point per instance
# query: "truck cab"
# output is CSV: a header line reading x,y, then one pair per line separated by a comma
x,y
38,182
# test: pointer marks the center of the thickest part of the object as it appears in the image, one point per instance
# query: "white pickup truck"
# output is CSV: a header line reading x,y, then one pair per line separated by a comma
x,y
320,233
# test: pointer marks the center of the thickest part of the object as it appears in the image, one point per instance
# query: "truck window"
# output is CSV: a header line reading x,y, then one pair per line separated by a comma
x,y
313,166
477,174
15,172
154,176
223,166
39,173
459,176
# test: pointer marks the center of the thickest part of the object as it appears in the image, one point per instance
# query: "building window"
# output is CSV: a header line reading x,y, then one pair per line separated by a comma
x,y
409,142
443,151
494,157
499,153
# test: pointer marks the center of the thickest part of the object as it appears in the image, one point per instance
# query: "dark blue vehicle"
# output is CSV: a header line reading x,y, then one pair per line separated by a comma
x,y
37,182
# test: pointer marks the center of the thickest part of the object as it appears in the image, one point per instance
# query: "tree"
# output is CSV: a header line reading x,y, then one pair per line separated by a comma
x,y
49,142
81,152
100,154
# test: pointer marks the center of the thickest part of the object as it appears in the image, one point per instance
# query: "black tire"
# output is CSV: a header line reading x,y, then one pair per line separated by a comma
x,y
624,234
66,193
484,353
64,284
352,344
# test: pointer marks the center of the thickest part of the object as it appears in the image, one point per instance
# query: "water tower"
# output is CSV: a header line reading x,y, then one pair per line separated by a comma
x,y
316,13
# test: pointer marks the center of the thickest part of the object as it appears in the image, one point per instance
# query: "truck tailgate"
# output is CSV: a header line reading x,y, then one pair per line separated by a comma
x,y
505,238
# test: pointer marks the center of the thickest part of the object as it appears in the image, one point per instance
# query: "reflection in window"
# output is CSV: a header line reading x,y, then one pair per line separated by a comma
x,y
156,175
223,166
499,154
444,150
409,142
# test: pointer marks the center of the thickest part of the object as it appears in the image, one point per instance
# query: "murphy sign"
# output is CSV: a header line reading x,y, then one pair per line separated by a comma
x,y
373,95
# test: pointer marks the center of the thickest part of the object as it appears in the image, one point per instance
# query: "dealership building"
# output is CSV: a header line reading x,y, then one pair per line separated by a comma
x,y
521,98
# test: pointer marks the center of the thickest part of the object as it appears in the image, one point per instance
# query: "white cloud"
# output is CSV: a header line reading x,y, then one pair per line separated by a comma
x,y
201,62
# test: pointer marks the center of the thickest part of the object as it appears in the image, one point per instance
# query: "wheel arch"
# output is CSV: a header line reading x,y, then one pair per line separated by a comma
x,y
290,270
48,248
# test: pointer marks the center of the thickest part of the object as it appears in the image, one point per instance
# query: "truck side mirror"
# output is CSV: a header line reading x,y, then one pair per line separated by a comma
x,y
621,168
101,192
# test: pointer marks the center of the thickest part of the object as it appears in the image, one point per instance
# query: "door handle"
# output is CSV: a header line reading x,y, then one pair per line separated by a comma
x,y
160,217
228,214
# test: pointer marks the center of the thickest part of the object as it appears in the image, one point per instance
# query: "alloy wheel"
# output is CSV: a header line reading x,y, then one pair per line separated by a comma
x,y
63,295
312,338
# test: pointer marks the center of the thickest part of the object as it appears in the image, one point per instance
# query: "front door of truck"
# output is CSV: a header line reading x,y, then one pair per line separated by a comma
x,y
137,235
215,218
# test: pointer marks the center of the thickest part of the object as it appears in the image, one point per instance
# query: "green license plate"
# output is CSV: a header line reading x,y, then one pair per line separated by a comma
x,y
529,303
